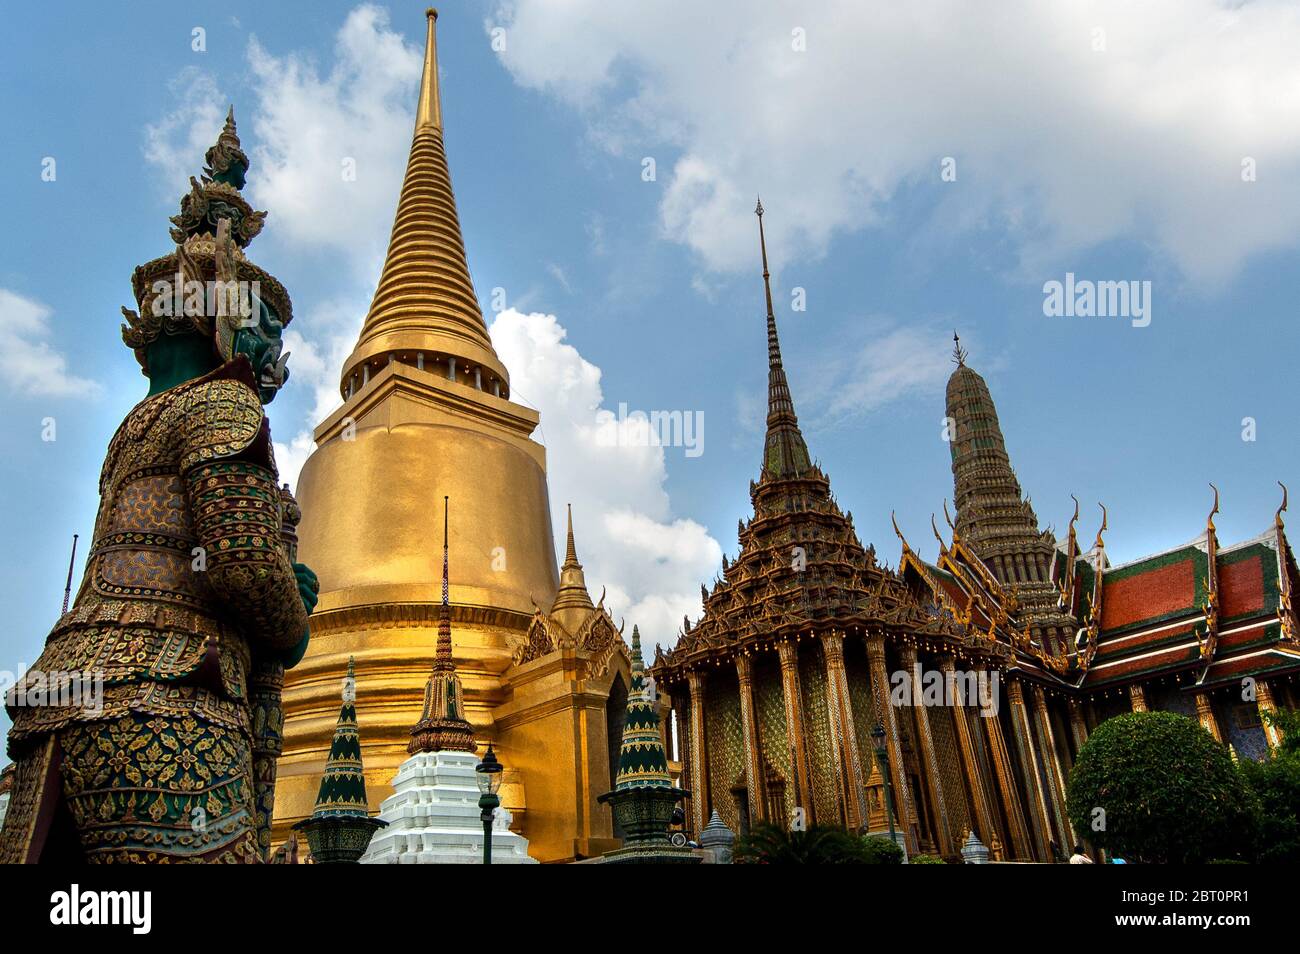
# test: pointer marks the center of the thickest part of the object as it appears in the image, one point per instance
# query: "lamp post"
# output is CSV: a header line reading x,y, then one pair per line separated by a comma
x,y
882,760
488,775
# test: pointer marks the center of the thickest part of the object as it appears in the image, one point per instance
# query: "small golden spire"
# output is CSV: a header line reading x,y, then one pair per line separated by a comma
x,y
1209,521
570,551
1277,517
429,111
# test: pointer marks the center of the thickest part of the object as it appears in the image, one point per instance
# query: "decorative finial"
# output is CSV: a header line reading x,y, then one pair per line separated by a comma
x,y
958,353
67,589
1099,544
894,520
1075,518
1209,521
758,209
226,161
350,683
946,517
1277,518
570,551
935,528
428,114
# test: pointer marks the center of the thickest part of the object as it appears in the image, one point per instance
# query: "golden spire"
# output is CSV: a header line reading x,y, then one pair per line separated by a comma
x,y
572,594
425,312
429,110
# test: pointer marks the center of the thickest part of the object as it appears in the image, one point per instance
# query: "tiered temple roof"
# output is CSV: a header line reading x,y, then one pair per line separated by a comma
x,y
801,565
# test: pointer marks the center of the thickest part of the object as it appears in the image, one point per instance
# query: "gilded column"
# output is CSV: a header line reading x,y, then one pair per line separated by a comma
x,y
934,779
987,830
885,714
1018,832
1020,728
1205,716
1264,701
749,731
699,757
1138,697
1052,765
788,653
1078,727
848,766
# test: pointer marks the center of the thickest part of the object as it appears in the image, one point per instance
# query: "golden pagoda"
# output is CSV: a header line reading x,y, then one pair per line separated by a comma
x,y
426,415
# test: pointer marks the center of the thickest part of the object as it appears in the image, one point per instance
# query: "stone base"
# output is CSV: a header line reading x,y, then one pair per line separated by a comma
x,y
433,817
653,855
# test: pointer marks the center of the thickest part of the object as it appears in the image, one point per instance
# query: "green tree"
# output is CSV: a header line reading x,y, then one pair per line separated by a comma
x,y
1276,783
1156,787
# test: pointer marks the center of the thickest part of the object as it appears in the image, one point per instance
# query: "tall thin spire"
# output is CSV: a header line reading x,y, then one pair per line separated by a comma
x,y
442,726
425,311
784,452
429,110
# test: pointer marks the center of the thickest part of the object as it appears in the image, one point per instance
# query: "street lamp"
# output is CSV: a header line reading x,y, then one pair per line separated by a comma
x,y
488,775
882,760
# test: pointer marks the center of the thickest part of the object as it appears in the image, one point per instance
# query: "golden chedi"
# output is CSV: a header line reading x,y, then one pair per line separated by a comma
x,y
427,414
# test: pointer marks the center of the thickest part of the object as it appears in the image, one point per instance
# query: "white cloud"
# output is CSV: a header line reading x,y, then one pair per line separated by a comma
x,y
177,142
651,563
28,363
314,128
1064,145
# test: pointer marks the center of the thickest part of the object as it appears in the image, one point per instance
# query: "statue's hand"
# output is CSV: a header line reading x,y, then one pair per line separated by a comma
x,y
308,586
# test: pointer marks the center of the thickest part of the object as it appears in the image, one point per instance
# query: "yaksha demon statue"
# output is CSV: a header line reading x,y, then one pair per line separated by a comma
x,y
191,605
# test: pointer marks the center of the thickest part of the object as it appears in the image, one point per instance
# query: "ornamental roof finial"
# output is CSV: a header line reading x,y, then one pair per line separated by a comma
x,y
958,352
1277,518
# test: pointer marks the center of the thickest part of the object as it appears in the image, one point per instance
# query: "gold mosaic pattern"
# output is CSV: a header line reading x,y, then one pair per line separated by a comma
x,y
821,756
769,706
725,743
948,755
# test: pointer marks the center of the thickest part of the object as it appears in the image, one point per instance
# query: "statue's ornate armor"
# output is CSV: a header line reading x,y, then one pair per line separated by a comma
x,y
186,583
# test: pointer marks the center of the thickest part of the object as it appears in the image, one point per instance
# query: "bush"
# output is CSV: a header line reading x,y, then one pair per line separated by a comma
x,y
1170,793
769,844
926,860
881,850
1276,784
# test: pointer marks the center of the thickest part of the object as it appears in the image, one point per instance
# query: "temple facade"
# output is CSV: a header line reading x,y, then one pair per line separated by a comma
x,y
427,413
978,676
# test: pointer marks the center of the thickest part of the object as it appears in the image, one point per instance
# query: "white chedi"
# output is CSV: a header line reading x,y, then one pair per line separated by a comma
x,y
433,817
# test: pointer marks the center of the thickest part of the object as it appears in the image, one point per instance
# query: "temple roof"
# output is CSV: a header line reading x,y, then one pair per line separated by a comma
x,y
801,566
1215,614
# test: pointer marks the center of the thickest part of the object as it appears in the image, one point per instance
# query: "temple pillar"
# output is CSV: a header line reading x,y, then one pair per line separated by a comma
x,y
844,736
1205,716
893,744
986,829
699,757
1264,701
1022,732
1138,698
1078,727
1052,766
749,733
933,778
1017,830
788,652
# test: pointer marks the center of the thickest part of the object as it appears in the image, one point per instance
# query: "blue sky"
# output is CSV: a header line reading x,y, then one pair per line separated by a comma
x,y
1087,138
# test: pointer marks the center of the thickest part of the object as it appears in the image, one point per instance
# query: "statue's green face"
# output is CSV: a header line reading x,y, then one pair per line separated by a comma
x,y
262,341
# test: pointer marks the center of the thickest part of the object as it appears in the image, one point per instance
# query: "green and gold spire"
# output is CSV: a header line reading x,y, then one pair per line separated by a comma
x,y
442,726
784,452
641,760
343,786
